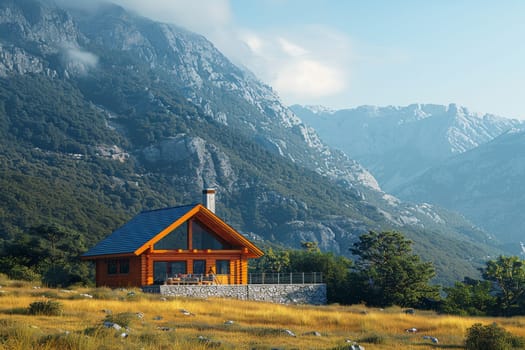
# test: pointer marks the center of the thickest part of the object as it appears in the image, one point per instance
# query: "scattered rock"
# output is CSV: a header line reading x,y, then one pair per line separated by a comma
x,y
157,318
162,328
163,299
411,330
116,326
410,311
140,315
229,322
186,312
85,295
289,332
209,343
432,339
354,345
124,335
107,311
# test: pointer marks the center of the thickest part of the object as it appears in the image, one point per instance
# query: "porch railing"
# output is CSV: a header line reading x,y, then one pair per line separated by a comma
x,y
285,278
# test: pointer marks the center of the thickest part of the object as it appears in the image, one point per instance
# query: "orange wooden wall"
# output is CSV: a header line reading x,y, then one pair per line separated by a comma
x,y
141,267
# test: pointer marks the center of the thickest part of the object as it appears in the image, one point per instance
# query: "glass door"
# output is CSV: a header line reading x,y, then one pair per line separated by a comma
x,y
199,267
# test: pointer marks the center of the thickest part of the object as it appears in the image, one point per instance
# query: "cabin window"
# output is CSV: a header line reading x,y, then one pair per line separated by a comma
x,y
176,239
199,267
222,267
124,266
112,267
203,239
162,270
118,266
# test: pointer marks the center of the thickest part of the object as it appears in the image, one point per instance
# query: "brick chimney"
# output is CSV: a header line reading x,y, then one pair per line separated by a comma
x,y
208,199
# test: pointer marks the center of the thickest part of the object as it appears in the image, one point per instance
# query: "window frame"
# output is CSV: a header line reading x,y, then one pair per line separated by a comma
x,y
115,267
219,267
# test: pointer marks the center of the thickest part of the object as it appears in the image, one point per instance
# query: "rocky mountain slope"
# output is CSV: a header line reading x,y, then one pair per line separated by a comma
x,y
104,113
399,143
486,184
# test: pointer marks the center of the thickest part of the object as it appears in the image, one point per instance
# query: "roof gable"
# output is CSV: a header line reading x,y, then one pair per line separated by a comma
x,y
147,228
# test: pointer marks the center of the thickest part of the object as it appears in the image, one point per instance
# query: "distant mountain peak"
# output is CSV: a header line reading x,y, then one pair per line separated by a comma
x,y
320,109
397,143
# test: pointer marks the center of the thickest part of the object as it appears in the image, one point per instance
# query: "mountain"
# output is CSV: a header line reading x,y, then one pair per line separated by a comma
x,y
399,143
485,183
104,113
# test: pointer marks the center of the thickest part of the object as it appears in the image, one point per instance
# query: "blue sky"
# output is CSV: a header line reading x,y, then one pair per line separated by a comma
x,y
345,53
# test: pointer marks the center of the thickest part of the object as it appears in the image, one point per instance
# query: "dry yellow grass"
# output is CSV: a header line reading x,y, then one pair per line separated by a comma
x,y
158,323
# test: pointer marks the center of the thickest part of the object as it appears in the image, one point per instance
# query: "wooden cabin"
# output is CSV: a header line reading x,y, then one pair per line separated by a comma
x,y
179,245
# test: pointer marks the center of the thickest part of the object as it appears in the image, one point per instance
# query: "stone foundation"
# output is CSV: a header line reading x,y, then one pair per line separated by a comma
x,y
276,293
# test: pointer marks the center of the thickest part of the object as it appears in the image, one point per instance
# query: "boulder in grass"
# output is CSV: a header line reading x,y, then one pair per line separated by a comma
x,y
289,332
109,324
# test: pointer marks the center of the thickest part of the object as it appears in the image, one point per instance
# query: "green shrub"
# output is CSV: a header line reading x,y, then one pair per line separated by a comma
x,y
123,319
493,337
373,339
48,308
24,273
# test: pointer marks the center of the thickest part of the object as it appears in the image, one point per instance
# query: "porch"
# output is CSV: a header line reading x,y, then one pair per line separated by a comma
x,y
295,288
253,278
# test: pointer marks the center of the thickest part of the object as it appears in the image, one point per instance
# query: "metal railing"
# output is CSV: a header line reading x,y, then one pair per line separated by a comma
x,y
285,278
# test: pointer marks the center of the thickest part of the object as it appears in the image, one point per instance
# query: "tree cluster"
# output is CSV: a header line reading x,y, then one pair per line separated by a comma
x,y
49,254
501,292
386,273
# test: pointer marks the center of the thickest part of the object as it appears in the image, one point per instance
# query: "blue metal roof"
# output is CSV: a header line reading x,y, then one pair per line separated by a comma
x,y
139,230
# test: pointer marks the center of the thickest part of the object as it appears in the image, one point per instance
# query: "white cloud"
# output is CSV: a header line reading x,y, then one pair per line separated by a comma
x,y
254,43
303,79
78,56
309,63
291,48
77,60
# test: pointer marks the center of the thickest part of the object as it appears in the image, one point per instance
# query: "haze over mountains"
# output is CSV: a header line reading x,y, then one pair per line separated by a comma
x,y
444,155
104,113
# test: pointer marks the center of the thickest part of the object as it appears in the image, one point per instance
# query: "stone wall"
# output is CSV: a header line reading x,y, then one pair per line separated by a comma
x,y
276,293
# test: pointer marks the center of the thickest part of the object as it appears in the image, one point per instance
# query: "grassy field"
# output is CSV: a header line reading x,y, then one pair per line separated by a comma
x,y
154,322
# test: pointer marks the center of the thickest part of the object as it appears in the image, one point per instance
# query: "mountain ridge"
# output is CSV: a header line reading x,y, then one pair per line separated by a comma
x,y
483,183
399,143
